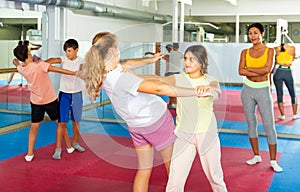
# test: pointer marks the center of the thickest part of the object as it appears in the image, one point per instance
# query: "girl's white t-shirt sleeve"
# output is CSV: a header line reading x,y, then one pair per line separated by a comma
x,y
130,83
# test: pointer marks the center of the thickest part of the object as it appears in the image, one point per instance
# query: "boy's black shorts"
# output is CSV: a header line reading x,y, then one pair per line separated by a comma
x,y
38,111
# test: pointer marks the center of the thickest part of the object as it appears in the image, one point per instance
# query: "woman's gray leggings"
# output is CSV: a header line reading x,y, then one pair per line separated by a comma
x,y
284,75
261,98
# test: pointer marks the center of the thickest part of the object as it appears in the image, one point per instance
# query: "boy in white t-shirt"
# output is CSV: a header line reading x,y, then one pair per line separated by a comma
x,y
70,97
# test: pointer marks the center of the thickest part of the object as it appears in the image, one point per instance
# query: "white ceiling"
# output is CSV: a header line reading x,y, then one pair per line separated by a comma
x,y
215,11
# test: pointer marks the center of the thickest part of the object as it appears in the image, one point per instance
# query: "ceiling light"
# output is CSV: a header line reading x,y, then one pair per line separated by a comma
x,y
232,2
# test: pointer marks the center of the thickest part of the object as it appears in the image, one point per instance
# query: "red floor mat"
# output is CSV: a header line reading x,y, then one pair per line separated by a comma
x,y
14,94
87,171
229,107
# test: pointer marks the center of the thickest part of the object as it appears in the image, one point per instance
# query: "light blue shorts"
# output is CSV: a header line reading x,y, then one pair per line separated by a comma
x,y
70,102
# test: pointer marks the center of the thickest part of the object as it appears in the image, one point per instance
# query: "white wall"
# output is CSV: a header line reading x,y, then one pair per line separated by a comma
x,y
223,58
6,58
127,30
66,24
224,61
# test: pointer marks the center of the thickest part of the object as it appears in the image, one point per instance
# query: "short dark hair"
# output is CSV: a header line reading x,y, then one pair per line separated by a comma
x,y
169,45
259,26
21,52
175,45
70,43
25,42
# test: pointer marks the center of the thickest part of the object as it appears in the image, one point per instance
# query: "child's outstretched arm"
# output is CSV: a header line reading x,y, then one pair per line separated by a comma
x,y
36,46
138,63
167,79
54,60
149,53
60,70
156,86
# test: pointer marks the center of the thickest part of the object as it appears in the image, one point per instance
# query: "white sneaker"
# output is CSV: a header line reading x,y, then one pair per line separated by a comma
x,y
296,117
78,147
57,154
281,117
254,160
275,166
70,150
29,158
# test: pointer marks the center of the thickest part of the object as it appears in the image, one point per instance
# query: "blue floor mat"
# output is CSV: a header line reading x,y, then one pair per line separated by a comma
x,y
16,142
10,119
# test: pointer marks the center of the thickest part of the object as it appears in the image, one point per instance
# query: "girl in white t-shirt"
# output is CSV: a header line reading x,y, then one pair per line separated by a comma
x,y
150,123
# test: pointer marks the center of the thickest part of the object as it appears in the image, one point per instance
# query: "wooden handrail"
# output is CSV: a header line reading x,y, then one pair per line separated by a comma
x,y
8,70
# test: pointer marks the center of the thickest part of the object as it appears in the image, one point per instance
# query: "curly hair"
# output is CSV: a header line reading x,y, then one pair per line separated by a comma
x,y
95,62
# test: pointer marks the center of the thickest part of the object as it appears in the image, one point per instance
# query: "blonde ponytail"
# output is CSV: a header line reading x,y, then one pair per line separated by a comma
x,y
93,71
94,66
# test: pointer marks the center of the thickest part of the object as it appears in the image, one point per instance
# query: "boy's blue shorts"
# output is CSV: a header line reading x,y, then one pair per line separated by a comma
x,y
70,102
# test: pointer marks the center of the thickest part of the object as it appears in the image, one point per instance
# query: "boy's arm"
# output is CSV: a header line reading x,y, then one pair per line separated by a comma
x,y
60,70
37,45
54,60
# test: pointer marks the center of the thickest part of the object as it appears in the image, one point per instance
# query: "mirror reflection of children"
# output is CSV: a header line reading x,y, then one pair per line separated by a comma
x,y
173,65
175,60
284,57
166,57
70,98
